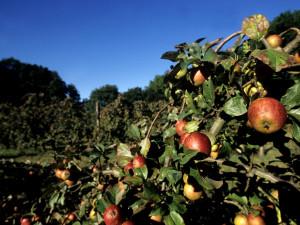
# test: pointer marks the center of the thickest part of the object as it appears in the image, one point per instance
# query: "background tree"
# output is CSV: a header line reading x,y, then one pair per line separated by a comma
x,y
134,94
19,79
104,95
155,90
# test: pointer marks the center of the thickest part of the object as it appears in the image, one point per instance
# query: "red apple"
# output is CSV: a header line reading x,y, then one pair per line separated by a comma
x,y
183,137
128,222
274,40
198,141
267,115
25,220
180,127
198,78
255,220
71,216
112,215
138,161
128,167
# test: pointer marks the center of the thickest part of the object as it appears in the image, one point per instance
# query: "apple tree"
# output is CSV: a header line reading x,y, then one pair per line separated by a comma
x,y
227,151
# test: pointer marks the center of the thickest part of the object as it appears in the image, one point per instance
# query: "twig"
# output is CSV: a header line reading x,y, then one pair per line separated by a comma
x,y
227,39
294,43
153,121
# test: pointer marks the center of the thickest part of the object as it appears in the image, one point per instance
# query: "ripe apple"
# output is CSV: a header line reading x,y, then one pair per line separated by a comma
x,y
198,78
65,174
190,193
25,221
240,219
69,183
267,115
138,161
274,40
183,137
255,220
128,222
198,141
71,216
58,173
128,167
297,57
180,124
112,215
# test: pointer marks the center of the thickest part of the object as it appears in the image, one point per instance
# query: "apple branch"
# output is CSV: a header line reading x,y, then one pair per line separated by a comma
x,y
294,43
222,43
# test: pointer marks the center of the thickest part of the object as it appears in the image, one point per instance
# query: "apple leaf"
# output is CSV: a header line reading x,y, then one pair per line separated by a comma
x,y
240,199
187,155
295,113
170,55
277,60
134,132
123,154
169,132
176,217
235,106
255,26
292,97
138,206
296,131
145,146
209,92
192,126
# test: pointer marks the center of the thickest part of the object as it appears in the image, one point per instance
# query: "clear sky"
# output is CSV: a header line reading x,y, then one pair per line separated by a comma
x,y
91,43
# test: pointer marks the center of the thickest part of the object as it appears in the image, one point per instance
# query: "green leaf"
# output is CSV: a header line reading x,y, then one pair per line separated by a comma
x,y
295,113
296,131
150,192
76,223
171,131
138,206
124,155
134,132
202,181
143,172
277,60
240,199
145,146
133,180
176,217
170,55
191,126
209,92
173,176
292,97
187,155
235,106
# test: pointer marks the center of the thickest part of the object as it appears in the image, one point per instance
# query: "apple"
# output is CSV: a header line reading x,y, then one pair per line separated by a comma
x,y
138,161
128,167
71,216
198,78
180,124
58,173
69,183
25,220
297,57
65,174
240,219
198,141
128,222
183,137
112,215
190,193
255,220
274,40
267,115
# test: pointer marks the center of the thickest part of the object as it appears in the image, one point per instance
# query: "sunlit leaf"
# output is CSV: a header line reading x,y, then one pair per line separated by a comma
x,y
235,106
292,97
145,146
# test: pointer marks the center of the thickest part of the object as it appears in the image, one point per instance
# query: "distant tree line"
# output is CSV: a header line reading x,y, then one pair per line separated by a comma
x,y
38,110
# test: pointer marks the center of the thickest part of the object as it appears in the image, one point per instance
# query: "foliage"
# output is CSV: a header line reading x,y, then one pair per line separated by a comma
x,y
246,172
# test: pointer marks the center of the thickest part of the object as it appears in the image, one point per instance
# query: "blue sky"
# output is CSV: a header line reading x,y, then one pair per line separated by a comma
x,y
95,42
